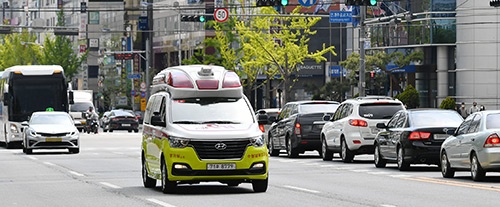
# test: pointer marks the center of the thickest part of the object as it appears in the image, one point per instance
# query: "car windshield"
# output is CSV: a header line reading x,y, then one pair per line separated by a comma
x,y
318,107
493,121
80,106
434,118
122,113
60,119
211,110
379,110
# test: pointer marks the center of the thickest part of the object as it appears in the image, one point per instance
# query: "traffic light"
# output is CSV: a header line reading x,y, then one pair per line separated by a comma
x,y
83,7
361,2
194,18
356,75
495,3
261,3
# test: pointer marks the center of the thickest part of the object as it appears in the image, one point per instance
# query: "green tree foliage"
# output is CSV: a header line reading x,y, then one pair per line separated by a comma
x,y
19,49
448,103
409,97
59,51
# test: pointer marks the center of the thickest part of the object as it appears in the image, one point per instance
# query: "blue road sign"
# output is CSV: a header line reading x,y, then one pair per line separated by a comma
x,y
143,94
307,2
134,76
336,70
143,23
132,92
340,16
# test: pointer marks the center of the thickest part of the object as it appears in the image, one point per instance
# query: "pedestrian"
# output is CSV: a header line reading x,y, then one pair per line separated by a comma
x,y
474,108
463,111
482,108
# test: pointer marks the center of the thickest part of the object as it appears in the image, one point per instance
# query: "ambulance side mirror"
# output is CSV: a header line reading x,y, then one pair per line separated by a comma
x,y
156,120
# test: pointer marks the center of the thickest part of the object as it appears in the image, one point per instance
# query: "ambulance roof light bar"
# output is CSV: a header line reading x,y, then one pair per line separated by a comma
x,y
231,80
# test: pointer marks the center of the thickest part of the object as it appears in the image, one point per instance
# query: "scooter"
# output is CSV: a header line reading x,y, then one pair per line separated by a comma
x,y
92,126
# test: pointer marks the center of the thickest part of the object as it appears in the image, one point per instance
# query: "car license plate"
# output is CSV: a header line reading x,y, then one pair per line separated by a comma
x,y
440,136
125,124
53,139
221,166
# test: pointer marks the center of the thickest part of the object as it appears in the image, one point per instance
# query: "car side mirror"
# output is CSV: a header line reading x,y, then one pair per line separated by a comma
x,y
156,120
381,126
450,132
327,117
262,119
71,98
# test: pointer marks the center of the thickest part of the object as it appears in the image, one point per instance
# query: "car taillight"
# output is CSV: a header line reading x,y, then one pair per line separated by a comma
x,y
419,135
114,119
297,129
492,141
358,122
261,127
231,80
207,84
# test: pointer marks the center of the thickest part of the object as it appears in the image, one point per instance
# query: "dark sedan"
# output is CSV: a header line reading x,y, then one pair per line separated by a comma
x,y
121,120
414,137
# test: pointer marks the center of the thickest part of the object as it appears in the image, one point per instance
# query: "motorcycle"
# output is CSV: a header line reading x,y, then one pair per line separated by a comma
x,y
92,126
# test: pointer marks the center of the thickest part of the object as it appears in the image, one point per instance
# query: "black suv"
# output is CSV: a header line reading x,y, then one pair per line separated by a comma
x,y
298,126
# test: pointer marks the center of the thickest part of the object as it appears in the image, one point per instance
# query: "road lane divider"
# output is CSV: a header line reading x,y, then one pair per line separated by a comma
x,y
31,157
76,173
49,163
110,185
455,183
161,203
301,189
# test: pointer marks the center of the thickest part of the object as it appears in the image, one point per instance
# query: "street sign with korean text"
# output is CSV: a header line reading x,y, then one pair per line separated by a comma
x,y
134,76
340,16
143,23
307,2
94,17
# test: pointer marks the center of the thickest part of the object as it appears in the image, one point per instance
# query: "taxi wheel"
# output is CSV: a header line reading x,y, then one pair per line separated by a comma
x,y
259,185
146,180
29,151
167,186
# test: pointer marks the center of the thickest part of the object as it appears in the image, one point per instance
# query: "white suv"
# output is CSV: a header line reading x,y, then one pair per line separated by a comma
x,y
352,129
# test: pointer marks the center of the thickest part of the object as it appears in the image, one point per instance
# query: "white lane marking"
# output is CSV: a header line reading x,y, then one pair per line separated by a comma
x,y
161,203
401,176
76,173
311,164
387,205
327,166
301,189
378,173
49,163
110,185
31,157
359,170
285,161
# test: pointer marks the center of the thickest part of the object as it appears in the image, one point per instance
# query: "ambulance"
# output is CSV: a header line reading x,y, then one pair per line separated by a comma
x,y
200,127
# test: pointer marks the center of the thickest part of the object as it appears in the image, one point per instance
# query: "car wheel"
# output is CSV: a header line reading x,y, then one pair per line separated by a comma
x,y
326,154
272,151
136,130
167,186
291,152
380,162
233,184
446,169
29,151
259,185
110,130
477,172
130,130
402,163
346,154
9,145
146,180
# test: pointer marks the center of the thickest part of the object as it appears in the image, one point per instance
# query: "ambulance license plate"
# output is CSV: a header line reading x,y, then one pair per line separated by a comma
x,y
221,166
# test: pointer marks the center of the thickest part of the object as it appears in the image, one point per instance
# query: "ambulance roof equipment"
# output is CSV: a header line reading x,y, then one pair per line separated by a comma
x,y
191,81
33,70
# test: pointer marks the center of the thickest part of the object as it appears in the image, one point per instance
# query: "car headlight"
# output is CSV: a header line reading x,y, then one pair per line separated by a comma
x,y
177,142
32,132
74,133
257,141
14,129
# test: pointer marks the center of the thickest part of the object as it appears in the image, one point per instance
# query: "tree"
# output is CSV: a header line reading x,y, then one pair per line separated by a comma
x,y
19,49
448,103
59,51
409,97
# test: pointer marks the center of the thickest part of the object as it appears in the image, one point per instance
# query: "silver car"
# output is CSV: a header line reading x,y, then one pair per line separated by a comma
x,y
474,146
50,130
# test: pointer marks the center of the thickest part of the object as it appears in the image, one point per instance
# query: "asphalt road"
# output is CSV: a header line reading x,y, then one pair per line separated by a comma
x,y
106,172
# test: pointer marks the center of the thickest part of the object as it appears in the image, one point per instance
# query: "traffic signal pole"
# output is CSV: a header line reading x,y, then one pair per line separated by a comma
x,y
362,40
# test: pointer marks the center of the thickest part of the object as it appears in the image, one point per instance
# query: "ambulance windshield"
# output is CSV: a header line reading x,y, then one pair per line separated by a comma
x,y
211,110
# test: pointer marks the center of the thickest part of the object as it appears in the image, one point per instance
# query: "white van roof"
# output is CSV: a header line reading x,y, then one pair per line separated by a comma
x,y
191,81
33,70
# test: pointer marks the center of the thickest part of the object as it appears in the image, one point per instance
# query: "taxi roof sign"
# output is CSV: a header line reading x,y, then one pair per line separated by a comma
x,y
198,81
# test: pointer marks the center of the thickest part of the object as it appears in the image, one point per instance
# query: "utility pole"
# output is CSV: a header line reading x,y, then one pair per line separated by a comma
x,y
362,40
149,47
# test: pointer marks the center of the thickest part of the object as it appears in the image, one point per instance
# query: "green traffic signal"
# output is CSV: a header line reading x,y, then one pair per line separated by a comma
x,y
284,2
202,19
373,2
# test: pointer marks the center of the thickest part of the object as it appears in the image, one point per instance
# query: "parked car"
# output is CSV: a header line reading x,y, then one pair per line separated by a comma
x,y
50,130
298,127
139,116
121,120
352,129
104,119
474,146
414,137
272,115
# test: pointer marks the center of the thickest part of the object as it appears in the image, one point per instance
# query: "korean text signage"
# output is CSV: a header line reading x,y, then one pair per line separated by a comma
x,y
340,16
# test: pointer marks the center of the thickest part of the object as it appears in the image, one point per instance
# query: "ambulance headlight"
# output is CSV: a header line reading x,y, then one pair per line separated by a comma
x,y
32,132
257,141
177,142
